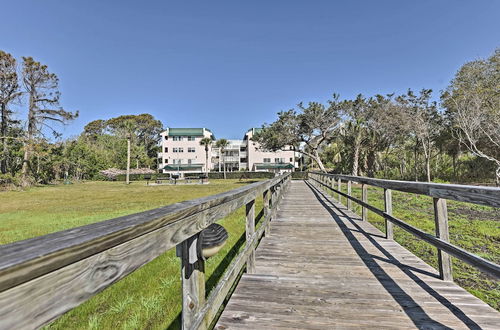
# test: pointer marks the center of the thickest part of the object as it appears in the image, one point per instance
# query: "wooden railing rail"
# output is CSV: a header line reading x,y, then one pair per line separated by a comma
x,y
440,193
43,277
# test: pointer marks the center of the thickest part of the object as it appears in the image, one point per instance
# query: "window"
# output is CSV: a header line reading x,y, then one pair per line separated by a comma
x,y
178,149
177,138
160,160
166,137
166,149
166,161
177,161
181,149
191,138
189,161
291,159
267,160
191,149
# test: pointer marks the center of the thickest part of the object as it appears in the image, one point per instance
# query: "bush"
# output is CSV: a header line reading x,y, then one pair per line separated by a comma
x,y
299,175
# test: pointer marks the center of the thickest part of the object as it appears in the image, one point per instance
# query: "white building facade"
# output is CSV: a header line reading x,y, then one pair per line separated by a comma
x,y
182,153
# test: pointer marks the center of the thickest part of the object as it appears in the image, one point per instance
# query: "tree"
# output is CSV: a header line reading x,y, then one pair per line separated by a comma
x,y
423,122
473,107
222,145
312,127
43,107
206,142
9,91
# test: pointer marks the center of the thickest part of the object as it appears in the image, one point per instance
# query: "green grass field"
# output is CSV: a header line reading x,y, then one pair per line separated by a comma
x,y
474,228
151,296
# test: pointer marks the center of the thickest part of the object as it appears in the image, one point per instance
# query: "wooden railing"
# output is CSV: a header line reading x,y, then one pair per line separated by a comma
x,y
440,193
44,277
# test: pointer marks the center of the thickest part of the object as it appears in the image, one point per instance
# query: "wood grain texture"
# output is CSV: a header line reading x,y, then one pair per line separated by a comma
x,y
250,231
488,196
324,268
25,260
193,280
364,198
389,230
38,286
441,223
455,251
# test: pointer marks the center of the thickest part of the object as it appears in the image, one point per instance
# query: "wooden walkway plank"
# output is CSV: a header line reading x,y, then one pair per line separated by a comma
x,y
324,268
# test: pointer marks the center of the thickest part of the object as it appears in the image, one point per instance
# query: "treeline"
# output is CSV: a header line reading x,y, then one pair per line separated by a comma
x,y
406,136
31,150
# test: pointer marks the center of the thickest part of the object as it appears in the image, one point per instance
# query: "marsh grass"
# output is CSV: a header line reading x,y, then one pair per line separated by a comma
x,y
148,298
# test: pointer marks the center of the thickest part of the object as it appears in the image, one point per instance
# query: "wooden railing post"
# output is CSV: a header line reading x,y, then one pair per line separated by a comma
x,y
250,231
364,198
340,189
441,221
349,192
193,279
266,200
389,233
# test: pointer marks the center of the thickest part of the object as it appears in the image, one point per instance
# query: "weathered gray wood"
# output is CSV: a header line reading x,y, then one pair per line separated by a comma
x,y
441,222
78,276
193,280
219,294
266,200
339,189
250,231
389,231
455,251
349,193
364,198
355,280
488,196
25,260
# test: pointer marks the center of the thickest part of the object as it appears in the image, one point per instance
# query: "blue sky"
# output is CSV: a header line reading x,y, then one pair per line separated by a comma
x,y
231,65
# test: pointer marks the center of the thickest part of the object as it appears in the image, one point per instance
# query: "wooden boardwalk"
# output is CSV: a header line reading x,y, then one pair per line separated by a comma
x,y
324,268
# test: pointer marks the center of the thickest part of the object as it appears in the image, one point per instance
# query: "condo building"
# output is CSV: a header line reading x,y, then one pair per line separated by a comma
x,y
181,153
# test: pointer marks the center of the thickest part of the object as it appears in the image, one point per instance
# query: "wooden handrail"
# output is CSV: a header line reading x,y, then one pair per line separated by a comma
x,y
441,242
43,277
489,196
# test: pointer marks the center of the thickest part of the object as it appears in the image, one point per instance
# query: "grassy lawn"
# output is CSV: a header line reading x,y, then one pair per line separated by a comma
x,y
472,227
151,296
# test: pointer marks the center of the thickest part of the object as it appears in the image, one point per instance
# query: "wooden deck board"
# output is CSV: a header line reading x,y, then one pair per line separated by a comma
x,y
324,268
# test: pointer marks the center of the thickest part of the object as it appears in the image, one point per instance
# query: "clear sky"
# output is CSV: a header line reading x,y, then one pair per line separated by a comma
x,y
230,65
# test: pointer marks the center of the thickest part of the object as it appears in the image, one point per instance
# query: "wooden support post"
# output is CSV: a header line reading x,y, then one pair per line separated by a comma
x,y
389,233
349,192
250,231
364,198
266,200
340,189
441,221
193,279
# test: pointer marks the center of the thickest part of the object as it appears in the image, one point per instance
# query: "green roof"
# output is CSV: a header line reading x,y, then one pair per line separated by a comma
x,y
263,166
182,167
187,131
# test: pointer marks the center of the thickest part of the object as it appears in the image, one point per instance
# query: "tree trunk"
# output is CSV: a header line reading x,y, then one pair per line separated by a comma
x,y
318,161
416,161
497,176
371,157
128,161
3,134
355,159
428,168
206,160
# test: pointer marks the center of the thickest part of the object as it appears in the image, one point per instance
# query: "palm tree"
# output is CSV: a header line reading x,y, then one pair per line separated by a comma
x,y
206,142
222,145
